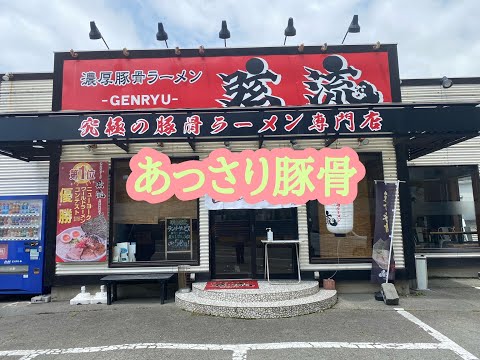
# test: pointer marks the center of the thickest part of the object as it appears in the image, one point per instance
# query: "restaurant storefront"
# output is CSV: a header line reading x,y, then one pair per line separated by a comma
x,y
226,238
108,107
225,242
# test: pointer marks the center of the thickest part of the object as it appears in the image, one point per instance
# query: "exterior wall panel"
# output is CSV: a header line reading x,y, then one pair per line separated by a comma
x,y
105,152
19,177
464,153
26,96
435,94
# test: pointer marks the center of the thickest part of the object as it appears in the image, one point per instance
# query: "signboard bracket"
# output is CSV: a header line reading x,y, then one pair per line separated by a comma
x,y
13,156
331,140
192,143
260,142
122,145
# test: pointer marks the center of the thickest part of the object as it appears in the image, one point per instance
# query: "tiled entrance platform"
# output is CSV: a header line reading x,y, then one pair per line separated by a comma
x,y
271,300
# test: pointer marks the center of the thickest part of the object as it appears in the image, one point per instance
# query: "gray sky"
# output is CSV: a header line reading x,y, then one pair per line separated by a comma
x,y
434,38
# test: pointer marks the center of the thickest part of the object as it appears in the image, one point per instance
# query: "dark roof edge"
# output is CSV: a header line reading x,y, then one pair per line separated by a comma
x,y
28,76
438,81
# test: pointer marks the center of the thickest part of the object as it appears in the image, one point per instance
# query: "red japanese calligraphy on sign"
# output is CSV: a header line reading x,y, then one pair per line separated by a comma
x,y
224,81
82,212
279,176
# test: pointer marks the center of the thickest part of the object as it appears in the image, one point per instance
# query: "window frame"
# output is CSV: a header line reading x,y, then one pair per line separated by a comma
x,y
345,260
155,263
475,176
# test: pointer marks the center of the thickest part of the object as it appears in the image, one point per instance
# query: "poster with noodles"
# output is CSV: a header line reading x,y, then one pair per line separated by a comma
x,y
82,212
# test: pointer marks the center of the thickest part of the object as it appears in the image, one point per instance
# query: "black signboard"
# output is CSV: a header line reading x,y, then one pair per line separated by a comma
x,y
308,121
178,235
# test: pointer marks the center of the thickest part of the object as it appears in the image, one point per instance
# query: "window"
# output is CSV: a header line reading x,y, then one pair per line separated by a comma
x,y
444,207
151,234
357,245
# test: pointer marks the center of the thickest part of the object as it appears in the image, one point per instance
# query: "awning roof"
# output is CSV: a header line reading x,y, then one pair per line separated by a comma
x,y
422,128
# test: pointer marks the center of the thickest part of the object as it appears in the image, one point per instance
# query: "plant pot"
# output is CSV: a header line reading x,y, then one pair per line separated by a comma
x,y
329,284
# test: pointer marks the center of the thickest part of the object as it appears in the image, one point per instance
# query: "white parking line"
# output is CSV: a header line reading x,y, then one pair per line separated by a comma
x,y
477,287
239,351
464,354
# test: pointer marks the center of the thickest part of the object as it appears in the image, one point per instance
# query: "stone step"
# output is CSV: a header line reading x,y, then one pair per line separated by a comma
x,y
277,290
319,301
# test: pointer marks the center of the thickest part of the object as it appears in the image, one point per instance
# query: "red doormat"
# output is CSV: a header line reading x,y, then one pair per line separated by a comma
x,y
231,284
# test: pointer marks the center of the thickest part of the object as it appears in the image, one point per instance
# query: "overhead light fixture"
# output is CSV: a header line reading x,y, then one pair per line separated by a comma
x,y
324,47
377,45
73,54
446,82
95,33
126,52
36,145
7,76
224,32
289,30
161,34
353,28
177,51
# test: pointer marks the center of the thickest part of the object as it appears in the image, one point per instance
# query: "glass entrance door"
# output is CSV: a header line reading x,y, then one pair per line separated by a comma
x,y
230,243
236,247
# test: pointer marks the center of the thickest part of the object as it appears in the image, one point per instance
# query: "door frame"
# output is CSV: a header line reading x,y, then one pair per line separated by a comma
x,y
251,243
248,244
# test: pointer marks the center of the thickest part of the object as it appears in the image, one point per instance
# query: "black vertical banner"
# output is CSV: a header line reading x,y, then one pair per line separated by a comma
x,y
384,208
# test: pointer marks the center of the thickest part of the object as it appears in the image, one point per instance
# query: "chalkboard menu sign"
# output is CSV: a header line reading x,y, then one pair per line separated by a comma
x,y
178,235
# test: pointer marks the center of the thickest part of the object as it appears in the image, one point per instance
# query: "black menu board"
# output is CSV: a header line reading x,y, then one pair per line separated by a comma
x,y
178,235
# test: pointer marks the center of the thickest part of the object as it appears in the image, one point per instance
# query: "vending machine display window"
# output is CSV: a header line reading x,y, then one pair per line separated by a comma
x,y
22,220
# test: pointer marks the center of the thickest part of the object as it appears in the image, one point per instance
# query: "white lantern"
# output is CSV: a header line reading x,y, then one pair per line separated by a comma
x,y
339,218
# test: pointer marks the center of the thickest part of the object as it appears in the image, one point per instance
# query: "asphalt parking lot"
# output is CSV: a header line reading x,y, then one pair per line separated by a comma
x,y
438,324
